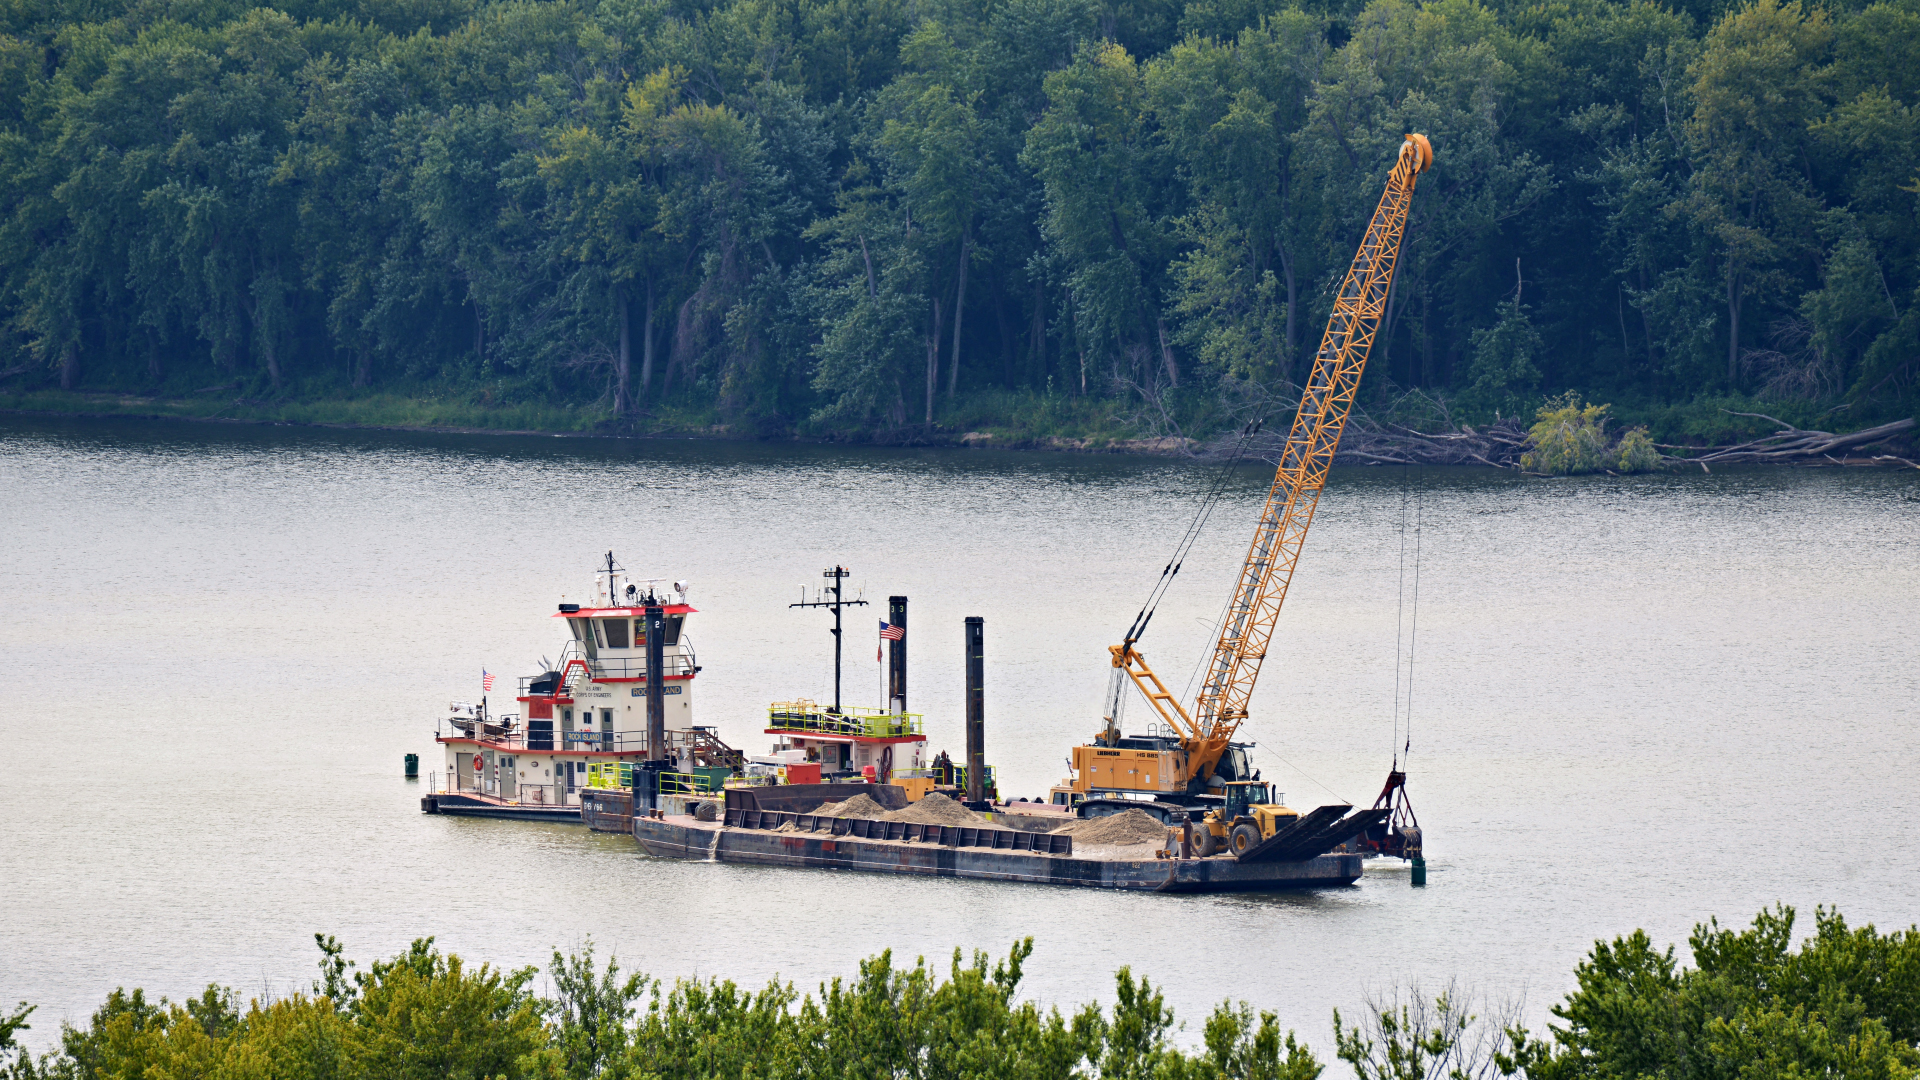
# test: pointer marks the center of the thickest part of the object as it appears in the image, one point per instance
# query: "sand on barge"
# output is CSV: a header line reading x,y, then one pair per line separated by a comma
x,y
768,838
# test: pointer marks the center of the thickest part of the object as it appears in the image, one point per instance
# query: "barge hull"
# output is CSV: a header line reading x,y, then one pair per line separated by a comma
x,y
686,838
459,805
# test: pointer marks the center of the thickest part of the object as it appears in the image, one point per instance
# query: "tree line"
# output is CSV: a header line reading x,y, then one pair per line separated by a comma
x,y
1845,1004
851,216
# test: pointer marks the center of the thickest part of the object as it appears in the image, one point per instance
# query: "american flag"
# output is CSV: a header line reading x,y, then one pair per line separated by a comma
x,y
486,679
892,632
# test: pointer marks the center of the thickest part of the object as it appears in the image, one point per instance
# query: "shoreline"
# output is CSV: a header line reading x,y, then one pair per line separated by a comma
x,y
147,408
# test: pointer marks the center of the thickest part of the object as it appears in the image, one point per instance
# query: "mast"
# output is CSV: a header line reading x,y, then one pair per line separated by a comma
x,y
835,574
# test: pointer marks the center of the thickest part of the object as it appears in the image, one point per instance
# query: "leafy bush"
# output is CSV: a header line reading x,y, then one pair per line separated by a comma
x,y
425,1015
1845,1005
1570,439
1635,452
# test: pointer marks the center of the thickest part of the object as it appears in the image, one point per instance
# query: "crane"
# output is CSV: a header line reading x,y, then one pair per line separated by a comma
x,y
1187,761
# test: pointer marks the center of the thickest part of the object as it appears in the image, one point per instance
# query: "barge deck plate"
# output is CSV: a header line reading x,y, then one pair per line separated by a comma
x,y
679,837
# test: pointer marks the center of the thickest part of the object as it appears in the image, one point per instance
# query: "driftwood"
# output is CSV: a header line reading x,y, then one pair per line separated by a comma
x,y
1499,444
1366,442
1794,446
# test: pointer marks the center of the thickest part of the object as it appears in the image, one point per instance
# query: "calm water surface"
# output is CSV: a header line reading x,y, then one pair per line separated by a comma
x,y
1638,702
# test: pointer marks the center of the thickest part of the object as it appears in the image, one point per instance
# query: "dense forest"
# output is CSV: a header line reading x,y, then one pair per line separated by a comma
x,y
869,218
1845,1005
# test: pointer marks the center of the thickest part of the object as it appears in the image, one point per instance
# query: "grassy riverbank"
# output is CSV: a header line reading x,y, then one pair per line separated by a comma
x,y
1845,1004
982,419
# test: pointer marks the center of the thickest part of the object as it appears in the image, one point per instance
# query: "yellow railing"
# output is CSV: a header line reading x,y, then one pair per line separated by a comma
x,y
807,718
618,776
679,783
611,774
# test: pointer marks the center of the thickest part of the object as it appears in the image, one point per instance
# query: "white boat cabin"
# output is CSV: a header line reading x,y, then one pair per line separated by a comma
x,y
583,720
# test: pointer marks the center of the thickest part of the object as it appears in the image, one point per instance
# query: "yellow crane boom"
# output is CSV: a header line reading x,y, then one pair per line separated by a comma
x,y
1305,457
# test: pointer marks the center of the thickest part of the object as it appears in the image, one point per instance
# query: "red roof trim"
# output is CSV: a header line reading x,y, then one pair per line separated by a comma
x,y
827,737
628,612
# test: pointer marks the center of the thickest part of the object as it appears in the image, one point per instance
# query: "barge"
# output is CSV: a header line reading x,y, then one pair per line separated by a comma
x,y
980,854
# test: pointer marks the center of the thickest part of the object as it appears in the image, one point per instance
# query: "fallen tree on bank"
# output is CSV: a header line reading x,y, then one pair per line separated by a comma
x,y
1566,429
1365,442
1796,446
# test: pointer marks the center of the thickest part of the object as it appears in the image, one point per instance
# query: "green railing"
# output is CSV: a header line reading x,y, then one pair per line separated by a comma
x,y
807,718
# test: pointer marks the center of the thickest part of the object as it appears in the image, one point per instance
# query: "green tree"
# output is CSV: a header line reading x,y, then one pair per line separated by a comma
x,y
1230,111
1109,209
1755,93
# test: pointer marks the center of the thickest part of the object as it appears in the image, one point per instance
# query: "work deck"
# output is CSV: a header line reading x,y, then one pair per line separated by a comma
x,y
681,837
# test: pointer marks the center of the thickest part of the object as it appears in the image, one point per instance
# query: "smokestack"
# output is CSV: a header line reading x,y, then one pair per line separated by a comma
x,y
897,656
976,711
656,683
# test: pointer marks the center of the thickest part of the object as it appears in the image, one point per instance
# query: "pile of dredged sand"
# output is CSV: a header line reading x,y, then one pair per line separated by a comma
x,y
935,809
1125,828
932,809
860,806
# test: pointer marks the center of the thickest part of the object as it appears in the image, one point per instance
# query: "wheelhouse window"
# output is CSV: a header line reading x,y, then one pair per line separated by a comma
x,y
671,636
616,630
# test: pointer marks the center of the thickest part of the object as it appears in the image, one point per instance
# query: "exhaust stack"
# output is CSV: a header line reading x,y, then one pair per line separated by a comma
x,y
897,656
656,683
976,711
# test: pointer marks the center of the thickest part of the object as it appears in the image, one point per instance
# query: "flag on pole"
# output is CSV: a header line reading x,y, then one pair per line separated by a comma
x,y
892,632
486,680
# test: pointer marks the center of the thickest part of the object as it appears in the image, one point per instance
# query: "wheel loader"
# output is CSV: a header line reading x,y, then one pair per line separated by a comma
x,y
1251,814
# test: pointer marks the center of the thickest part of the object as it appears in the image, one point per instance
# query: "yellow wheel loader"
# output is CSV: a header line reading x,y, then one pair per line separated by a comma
x,y
1251,814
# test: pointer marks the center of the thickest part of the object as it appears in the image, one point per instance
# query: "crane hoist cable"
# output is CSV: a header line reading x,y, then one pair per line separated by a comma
x,y
1116,689
1208,502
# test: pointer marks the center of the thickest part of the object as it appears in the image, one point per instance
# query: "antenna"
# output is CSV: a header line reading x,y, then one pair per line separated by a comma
x,y
835,574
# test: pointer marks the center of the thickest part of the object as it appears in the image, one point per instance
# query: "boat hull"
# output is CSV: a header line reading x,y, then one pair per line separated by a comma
x,y
686,838
460,805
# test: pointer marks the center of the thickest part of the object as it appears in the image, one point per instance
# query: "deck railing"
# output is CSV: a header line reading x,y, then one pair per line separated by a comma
x,y
524,794
808,718
678,662
700,783
510,734
618,776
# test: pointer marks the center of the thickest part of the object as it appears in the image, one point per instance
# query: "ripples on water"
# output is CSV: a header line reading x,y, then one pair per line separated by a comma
x,y
1638,702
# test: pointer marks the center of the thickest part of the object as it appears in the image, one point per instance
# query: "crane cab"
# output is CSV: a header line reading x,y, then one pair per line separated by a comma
x,y
1252,813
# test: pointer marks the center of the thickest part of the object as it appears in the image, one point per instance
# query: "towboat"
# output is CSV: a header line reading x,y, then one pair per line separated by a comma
x,y
589,718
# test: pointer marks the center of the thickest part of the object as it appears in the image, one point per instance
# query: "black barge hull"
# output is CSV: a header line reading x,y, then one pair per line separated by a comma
x,y
459,805
686,838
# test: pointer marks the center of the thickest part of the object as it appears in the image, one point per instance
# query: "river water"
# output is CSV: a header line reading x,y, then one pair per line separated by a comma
x,y
1637,702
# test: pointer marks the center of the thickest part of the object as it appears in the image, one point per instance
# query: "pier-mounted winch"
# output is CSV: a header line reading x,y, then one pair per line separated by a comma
x,y
1195,761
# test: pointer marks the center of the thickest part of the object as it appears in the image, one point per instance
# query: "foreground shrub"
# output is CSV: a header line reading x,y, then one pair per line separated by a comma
x,y
1843,1006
